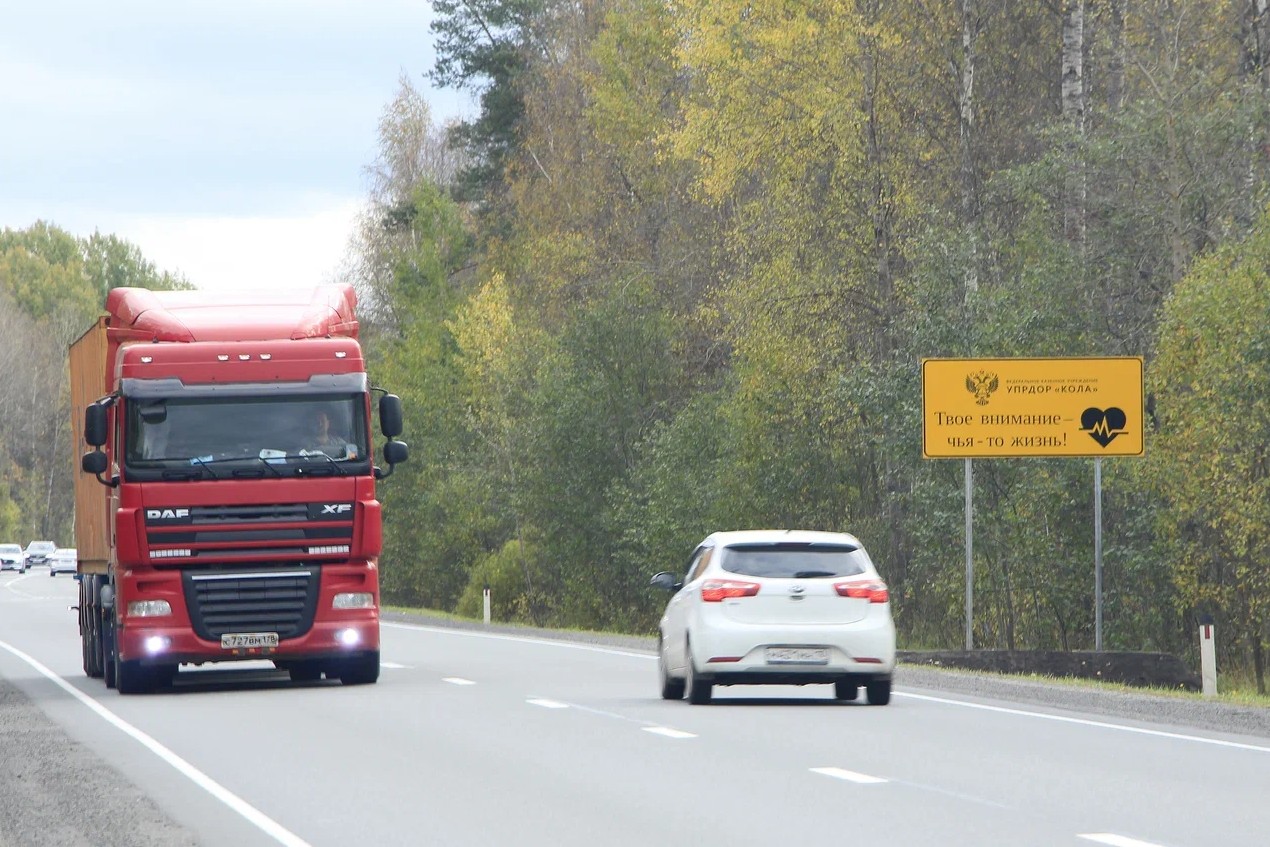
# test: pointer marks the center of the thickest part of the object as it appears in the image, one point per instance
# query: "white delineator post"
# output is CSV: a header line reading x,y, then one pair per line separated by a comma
x,y
487,603
1208,656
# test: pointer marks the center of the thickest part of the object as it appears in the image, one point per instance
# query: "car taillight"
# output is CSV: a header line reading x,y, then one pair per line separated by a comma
x,y
873,590
714,590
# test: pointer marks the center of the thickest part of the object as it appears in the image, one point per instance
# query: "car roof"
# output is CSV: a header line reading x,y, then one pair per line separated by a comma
x,y
776,536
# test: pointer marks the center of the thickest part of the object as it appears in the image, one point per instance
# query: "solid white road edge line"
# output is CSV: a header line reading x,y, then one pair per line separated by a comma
x,y
1158,733
457,680
253,815
668,732
849,776
1116,840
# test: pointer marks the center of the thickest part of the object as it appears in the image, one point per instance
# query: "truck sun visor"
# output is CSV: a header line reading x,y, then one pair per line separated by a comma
x,y
319,384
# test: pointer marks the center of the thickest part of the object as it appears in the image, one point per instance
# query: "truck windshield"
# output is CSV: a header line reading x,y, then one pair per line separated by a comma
x,y
202,437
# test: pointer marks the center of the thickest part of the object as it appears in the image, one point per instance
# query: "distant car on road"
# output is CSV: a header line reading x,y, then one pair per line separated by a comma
x,y
777,607
11,558
63,560
37,553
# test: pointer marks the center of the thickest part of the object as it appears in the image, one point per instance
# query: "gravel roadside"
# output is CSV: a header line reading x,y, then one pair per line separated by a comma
x,y
1181,712
58,793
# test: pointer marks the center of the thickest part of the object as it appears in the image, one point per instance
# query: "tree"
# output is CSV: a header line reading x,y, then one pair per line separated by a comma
x,y
1210,461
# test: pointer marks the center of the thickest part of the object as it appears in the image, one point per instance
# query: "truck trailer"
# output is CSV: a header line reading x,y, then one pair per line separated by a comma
x,y
226,508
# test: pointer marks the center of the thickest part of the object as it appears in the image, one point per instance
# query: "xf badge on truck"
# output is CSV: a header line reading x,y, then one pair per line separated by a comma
x,y
330,511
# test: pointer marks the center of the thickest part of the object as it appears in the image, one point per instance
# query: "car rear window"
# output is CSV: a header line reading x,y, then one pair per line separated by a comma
x,y
794,560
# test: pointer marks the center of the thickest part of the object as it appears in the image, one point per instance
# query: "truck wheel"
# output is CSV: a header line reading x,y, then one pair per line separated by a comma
x,y
132,677
305,671
362,671
107,651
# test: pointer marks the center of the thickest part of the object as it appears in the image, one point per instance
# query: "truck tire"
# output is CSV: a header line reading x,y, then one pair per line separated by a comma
x,y
361,671
132,677
107,651
304,671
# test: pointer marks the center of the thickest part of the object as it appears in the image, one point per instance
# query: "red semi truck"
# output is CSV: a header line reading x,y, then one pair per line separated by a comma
x,y
226,510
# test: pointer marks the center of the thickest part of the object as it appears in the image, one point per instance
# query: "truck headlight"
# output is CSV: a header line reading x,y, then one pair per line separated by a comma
x,y
149,608
354,600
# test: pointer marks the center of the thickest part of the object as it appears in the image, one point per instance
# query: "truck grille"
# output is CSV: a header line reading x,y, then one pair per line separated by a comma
x,y
281,600
282,533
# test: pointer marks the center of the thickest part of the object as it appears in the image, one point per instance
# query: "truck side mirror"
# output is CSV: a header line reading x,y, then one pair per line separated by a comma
x,y
94,462
396,452
96,426
390,415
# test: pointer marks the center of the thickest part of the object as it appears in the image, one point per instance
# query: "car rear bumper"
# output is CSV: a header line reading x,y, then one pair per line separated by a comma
x,y
736,654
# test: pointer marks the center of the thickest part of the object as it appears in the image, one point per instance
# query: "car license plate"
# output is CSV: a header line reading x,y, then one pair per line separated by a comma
x,y
241,640
797,656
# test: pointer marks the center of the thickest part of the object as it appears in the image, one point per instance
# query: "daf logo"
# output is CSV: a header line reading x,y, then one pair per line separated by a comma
x,y
336,508
796,589
166,514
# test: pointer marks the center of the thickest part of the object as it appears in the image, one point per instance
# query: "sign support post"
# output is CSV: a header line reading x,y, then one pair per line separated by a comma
x,y
1098,553
970,559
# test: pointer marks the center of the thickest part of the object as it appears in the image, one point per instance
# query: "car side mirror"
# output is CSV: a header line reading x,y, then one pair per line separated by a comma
x,y
666,580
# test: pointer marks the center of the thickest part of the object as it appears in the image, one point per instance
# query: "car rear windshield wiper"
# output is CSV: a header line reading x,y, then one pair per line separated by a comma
x,y
813,574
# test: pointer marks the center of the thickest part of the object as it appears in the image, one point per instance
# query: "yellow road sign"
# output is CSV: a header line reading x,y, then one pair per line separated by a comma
x,y
989,408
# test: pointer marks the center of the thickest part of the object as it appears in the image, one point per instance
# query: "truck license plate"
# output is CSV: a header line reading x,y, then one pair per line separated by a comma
x,y
240,640
797,656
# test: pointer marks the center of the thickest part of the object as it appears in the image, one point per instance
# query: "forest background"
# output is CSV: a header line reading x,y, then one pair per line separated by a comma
x,y
679,273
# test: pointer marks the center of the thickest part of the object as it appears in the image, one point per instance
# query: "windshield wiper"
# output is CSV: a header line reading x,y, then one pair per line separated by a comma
x,y
253,472
333,467
813,574
207,464
182,474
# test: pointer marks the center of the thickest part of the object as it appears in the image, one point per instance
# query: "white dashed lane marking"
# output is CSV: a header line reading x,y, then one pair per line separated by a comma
x,y
849,776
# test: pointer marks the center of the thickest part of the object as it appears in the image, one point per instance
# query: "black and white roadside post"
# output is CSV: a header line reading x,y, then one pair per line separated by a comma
x,y
1208,655
486,593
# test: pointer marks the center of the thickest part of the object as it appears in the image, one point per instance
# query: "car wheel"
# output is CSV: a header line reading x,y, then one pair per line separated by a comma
x,y
878,691
698,689
671,688
846,690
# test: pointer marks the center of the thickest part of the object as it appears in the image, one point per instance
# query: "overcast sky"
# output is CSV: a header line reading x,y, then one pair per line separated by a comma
x,y
227,139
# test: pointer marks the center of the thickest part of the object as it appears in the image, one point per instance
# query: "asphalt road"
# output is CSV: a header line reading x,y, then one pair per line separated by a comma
x,y
475,737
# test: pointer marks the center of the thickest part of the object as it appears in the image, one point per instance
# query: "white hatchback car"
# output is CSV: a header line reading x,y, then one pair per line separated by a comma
x,y
63,560
777,607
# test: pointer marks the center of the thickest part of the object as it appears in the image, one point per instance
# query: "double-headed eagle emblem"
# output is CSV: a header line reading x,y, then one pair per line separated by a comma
x,y
982,384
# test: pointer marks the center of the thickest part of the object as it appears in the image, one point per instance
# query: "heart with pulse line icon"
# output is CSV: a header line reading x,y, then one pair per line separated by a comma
x,y
1103,425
